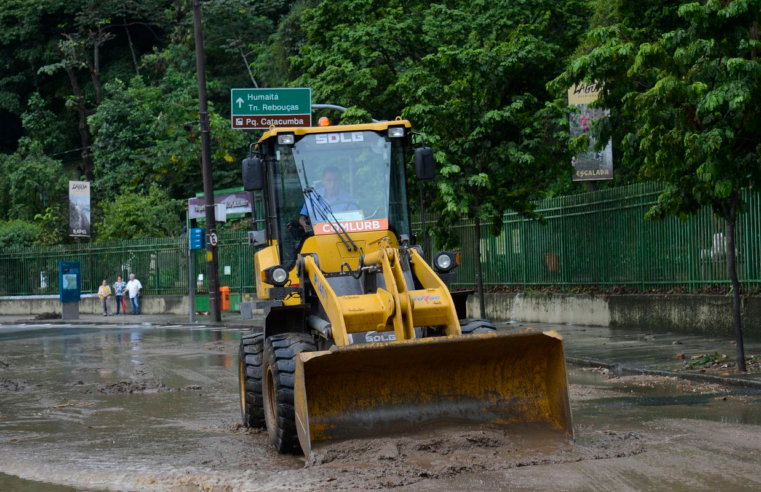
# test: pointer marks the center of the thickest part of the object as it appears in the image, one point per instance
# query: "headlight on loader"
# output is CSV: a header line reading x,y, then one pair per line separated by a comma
x,y
276,276
446,261
395,132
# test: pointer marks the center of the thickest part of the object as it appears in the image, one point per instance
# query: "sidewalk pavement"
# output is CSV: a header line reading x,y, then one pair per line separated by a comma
x,y
231,320
645,352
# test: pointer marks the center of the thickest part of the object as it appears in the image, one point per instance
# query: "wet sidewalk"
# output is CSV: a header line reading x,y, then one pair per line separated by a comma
x,y
232,320
642,351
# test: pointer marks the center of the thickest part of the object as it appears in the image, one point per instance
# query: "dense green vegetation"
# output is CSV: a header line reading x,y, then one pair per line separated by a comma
x,y
104,90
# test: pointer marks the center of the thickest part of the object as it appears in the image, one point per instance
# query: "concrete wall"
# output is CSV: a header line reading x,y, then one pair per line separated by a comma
x,y
91,305
706,314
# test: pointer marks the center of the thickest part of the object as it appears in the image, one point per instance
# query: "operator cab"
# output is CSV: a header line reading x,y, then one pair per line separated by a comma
x,y
333,181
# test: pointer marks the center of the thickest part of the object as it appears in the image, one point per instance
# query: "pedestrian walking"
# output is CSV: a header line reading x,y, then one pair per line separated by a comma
x,y
104,292
119,287
133,289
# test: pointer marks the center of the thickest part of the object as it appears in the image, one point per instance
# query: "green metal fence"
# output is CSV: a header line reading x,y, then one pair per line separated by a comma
x,y
594,239
161,265
602,239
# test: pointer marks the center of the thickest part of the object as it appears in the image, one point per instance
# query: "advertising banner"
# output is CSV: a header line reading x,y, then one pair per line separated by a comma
x,y
234,203
79,208
590,165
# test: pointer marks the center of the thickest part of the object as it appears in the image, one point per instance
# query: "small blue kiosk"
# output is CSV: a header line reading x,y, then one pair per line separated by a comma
x,y
69,288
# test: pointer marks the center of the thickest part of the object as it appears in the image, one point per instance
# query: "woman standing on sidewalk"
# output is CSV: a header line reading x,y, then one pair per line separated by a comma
x,y
119,286
104,292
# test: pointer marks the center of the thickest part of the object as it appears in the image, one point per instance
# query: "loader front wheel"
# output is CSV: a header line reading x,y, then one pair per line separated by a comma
x,y
250,359
280,352
476,326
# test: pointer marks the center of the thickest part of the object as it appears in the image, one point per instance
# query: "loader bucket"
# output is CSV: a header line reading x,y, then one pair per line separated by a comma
x,y
379,389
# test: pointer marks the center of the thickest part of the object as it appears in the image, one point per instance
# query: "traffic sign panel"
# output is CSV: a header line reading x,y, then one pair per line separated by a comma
x,y
197,238
262,108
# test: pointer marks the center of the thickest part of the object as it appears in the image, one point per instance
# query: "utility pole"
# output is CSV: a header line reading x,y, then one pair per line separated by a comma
x,y
208,183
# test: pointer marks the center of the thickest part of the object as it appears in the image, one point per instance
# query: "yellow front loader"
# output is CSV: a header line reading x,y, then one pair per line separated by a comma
x,y
362,337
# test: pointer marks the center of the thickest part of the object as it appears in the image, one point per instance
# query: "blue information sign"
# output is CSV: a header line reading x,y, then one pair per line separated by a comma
x,y
197,238
69,281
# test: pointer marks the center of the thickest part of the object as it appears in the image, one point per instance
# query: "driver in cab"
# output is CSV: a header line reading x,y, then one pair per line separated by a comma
x,y
330,193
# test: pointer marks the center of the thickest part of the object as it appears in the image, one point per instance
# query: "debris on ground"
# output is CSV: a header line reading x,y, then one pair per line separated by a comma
x,y
131,387
239,428
407,460
581,392
13,385
193,387
4,363
44,316
648,381
77,404
721,365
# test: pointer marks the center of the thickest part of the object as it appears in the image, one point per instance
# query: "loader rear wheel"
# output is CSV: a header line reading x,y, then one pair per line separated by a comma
x,y
476,326
280,352
250,359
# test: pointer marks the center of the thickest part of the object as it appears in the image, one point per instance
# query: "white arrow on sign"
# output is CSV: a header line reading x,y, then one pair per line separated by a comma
x,y
240,102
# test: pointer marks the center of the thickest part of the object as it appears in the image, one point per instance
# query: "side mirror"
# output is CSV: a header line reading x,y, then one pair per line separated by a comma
x,y
253,174
425,167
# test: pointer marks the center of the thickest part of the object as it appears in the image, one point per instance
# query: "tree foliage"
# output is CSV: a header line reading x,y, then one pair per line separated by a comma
x,y
137,215
18,234
692,100
470,75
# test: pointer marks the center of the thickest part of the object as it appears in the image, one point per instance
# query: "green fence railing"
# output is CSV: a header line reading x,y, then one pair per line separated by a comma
x,y
592,239
603,239
161,265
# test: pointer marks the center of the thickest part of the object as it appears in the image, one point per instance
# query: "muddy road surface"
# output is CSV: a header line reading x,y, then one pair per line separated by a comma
x,y
142,408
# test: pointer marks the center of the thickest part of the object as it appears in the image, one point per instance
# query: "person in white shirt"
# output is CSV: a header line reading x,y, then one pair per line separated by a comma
x,y
133,289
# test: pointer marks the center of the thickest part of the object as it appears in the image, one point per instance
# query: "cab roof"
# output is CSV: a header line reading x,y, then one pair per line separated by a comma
x,y
373,127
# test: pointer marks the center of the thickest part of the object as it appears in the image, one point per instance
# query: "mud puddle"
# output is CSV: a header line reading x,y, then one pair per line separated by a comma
x,y
444,452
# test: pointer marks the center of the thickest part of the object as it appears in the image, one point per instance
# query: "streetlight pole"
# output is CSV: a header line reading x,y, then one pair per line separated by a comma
x,y
208,183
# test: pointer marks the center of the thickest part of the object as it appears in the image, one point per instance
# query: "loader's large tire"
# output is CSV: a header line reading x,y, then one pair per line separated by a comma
x,y
475,326
280,352
250,360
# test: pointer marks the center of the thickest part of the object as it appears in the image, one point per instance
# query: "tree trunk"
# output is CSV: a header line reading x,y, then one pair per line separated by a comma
x,y
131,47
732,265
479,271
84,131
245,62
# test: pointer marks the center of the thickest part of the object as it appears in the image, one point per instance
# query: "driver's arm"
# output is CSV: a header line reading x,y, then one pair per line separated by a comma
x,y
303,221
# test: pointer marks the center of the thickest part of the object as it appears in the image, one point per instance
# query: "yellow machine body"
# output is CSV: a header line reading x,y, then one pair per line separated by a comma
x,y
373,389
361,391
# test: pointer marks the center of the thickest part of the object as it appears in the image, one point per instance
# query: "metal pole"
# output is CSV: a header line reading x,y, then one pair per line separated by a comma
x,y
336,107
422,224
208,183
191,284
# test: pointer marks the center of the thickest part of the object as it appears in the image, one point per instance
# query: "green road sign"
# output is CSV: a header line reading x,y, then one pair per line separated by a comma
x,y
254,109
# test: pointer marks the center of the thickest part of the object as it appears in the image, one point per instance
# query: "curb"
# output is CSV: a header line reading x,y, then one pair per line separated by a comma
x,y
627,369
138,323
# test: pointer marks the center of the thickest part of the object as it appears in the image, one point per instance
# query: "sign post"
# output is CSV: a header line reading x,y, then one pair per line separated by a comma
x,y
208,178
196,241
258,109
